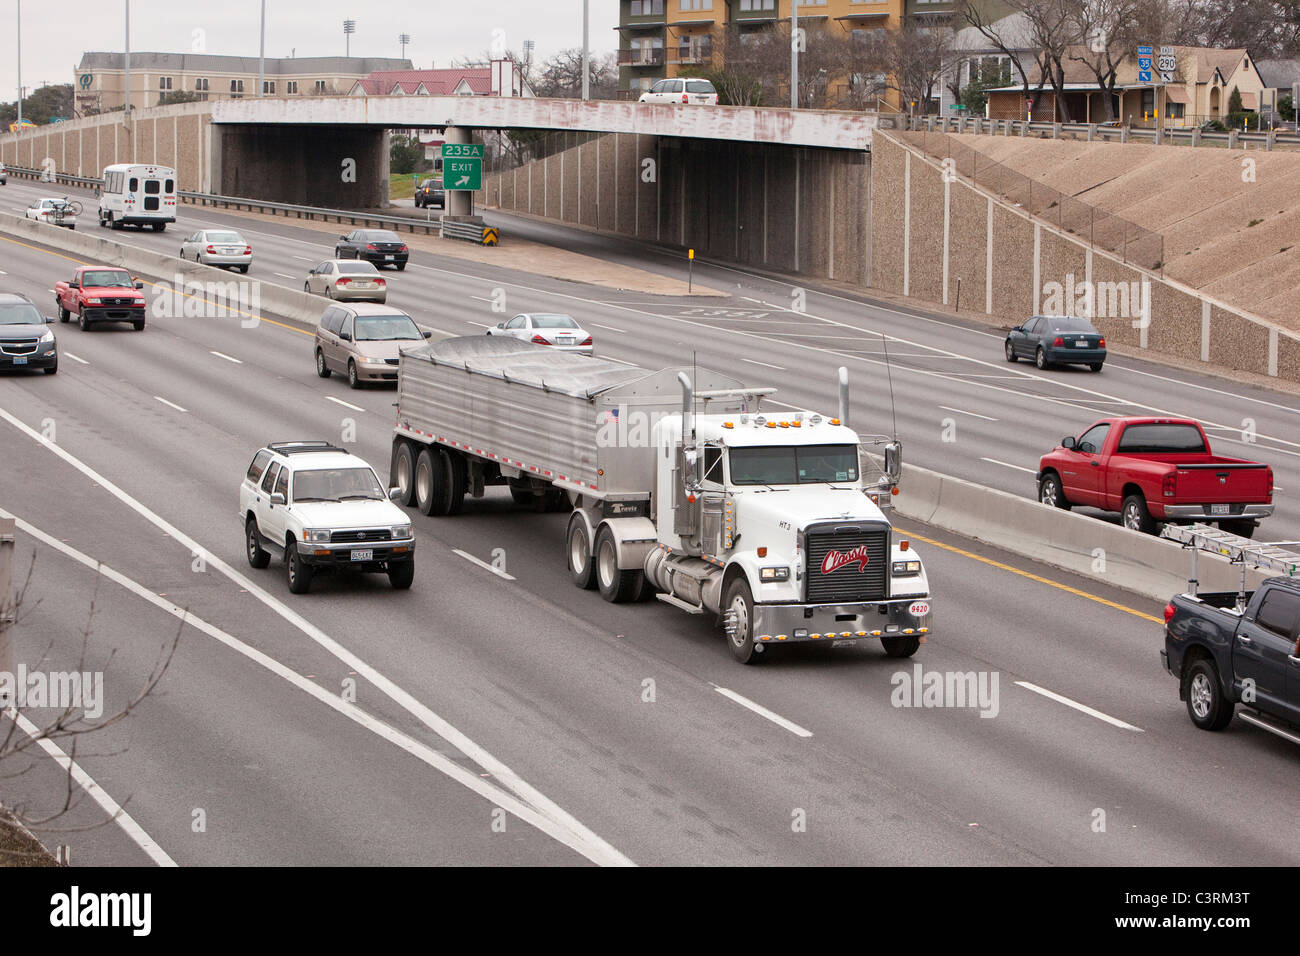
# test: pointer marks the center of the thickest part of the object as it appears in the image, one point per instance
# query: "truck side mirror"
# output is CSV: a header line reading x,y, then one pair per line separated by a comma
x,y
277,498
49,319
138,284
894,461
1068,442
394,494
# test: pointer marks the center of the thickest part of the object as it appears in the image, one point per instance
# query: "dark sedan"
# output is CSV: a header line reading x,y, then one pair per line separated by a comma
x,y
26,341
430,193
1050,340
379,246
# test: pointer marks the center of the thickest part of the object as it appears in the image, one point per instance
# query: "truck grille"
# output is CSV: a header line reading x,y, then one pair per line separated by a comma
x,y
361,536
848,562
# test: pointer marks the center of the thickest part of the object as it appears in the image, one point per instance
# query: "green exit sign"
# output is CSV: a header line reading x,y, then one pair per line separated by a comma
x,y
462,174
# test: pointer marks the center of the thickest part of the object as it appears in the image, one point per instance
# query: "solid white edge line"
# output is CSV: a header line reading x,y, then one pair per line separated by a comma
x,y
596,849
339,401
228,358
482,564
75,358
159,398
423,752
1082,708
763,712
962,411
764,364
1004,464
93,790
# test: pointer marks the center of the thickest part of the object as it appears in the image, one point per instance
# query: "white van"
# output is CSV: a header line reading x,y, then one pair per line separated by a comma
x,y
139,195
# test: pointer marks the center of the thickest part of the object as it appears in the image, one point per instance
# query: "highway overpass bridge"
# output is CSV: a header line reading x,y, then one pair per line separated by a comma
x,y
694,171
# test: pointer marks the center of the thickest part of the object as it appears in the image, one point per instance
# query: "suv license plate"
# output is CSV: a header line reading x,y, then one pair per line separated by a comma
x,y
20,359
1220,510
359,555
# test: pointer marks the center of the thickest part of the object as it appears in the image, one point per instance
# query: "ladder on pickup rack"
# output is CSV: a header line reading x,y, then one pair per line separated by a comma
x,y
1280,556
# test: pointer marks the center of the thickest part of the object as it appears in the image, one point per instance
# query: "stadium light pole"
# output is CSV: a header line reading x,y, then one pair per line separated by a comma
x,y
126,107
20,65
261,55
349,28
586,56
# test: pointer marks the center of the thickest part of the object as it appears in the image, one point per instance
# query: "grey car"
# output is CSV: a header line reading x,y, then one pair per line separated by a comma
x,y
347,279
26,341
1049,340
218,247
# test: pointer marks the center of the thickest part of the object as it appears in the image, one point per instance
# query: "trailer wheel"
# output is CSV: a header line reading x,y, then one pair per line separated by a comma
x,y
428,480
1206,704
454,480
403,472
738,615
581,563
616,587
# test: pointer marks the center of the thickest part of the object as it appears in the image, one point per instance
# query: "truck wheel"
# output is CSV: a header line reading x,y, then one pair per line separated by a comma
x,y
616,587
1050,493
738,609
138,325
322,369
297,571
64,314
428,481
581,563
900,646
403,472
455,478
401,575
1135,515
1206,704
257,557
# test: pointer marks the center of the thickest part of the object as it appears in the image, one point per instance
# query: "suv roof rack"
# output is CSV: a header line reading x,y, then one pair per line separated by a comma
x,y
303,447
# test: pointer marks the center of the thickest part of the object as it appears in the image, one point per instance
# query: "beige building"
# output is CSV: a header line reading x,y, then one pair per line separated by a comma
x,y
99,83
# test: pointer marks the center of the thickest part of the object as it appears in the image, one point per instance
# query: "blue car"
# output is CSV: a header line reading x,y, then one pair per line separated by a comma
x,y
1049,340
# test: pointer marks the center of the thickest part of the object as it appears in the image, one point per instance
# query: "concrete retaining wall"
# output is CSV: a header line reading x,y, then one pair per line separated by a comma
x,y
928,230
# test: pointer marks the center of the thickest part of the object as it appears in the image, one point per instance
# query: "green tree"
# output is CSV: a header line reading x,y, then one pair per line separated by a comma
x,y
41,105
1234,101
179,96
404,154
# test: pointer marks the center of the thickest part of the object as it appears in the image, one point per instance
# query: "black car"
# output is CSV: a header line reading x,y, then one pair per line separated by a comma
x,y
25,339
380,246
430,193
1057,340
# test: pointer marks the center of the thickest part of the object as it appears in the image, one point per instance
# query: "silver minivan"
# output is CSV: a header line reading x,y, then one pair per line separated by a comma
x,y
694,92
364,341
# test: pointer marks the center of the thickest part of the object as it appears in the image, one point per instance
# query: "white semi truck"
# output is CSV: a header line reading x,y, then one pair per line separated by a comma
x,y
679,485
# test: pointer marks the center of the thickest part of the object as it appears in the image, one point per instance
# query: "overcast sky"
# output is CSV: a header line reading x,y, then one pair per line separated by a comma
x,y
55,34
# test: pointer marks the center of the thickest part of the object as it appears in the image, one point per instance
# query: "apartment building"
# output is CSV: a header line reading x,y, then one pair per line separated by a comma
x,y
99,83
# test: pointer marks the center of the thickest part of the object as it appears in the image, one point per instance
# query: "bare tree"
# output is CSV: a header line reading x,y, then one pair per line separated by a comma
x,y
1111,31
916,59
561,75
1011,38
1053,30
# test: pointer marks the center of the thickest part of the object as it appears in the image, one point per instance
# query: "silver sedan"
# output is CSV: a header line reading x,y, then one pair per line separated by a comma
x,y
349,279
218,247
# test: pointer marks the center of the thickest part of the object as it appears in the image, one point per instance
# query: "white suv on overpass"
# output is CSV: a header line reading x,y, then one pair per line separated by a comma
x,y
320,507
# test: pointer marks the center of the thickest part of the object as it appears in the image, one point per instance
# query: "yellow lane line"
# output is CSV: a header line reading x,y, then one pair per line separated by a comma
x,y
227,307
1032,577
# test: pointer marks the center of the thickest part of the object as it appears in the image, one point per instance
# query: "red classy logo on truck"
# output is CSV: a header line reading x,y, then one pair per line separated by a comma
x,y
835,560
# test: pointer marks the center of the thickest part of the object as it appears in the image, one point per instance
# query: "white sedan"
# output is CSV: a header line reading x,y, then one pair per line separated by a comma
x,y
547,328
218,247
57,212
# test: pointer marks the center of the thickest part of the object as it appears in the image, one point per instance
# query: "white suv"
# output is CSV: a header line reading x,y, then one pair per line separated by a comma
x,y
320,507
695,92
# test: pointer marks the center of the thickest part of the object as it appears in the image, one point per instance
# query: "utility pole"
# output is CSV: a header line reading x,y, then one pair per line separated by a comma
x,y
126,108
794,54
261,55
586,57
20,65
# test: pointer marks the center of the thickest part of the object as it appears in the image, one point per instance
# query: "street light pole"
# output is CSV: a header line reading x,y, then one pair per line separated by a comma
x,y
794,54
20,65
586,65
261,55
349,28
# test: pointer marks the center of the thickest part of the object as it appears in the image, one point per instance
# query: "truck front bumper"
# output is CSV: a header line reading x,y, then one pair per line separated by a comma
x,y
1203,512
382,553
786,623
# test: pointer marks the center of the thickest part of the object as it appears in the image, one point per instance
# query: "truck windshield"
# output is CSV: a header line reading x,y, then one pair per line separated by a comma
x,y
793,464
336,484
1162,440
106,279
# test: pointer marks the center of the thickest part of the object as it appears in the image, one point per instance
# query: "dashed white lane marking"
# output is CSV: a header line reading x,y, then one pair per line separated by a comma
x,y
779,368
228,358
339,401
482,564
480,324
1082,708
607,328
307,258
159,398
283,276
962,411
434,758
1004,464
763,712
558,823
479,298
76,358
93,790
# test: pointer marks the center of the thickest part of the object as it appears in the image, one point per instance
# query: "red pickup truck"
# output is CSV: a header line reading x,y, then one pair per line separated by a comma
x,y
1152,470
101,294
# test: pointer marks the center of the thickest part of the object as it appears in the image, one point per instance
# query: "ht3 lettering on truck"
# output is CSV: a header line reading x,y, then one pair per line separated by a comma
x,y
678,483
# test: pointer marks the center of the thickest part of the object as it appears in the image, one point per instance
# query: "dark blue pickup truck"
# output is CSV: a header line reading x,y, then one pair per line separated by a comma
x,y
1224,656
